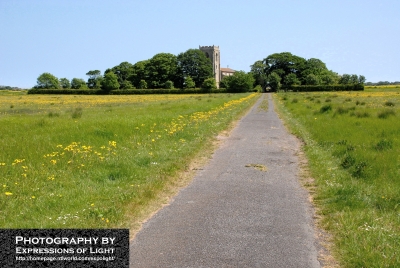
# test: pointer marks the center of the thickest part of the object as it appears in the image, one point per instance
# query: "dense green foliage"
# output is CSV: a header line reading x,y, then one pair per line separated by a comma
x,y
110,82
64,83
47,80
157,72
78,83
238,82
194,63
208,85
286,70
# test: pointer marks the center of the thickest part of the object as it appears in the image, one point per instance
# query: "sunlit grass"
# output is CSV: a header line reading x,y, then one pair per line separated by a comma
x,y
97,161
353,146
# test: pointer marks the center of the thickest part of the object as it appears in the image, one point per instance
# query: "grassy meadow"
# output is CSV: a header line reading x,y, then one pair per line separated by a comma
x,y
98,161
352,143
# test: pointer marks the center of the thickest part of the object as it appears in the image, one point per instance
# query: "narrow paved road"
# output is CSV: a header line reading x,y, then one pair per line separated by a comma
x,y
234,213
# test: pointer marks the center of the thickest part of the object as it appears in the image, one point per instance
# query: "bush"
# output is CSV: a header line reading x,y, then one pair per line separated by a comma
x,y
385,114
169,85
208,85
258,88
240,82
325,108
142,84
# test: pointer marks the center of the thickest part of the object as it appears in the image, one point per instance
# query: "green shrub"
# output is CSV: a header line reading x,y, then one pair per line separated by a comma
x,y
325,108
389,103
208,85
383,144
169,85
386,113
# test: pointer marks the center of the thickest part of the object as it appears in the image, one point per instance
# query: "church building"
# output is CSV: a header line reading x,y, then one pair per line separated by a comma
x,y
213,53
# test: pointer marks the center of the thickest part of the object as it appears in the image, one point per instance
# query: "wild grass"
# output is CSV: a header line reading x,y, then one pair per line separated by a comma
x,y
353,154
99,161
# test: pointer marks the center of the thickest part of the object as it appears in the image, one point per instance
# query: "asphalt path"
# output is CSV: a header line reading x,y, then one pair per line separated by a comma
x,y
245,208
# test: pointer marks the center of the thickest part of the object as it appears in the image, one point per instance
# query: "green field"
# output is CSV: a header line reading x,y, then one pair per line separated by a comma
x,y
352,142
100,161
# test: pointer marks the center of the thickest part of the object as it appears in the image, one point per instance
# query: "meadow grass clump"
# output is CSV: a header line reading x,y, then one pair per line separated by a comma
x,y
77,113
383,144
295,100
325,108
53,114
389,103
363,114
386,113
353,159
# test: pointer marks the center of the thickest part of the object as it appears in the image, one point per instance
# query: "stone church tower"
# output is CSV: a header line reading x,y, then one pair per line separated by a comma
x,y
212,52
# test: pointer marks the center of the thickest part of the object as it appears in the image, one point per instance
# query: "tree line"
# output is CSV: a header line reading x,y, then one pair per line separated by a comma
x,y
192,69
164,70
284,70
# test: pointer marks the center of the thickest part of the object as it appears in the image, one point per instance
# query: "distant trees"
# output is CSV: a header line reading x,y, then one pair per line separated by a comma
x,y
64,83
161,68
78,83
110,81
208,85
239,82
48,81
194,64
191,69
286,70
95,79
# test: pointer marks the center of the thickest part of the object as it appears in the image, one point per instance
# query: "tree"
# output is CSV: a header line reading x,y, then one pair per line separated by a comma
x,y
47,81
189,83
258,72
124,71
139,73
142,84
224,83
161,68
64,83
94,80
208,85
78,83
110,82
291,80
240,82
361,79
274,81
345,79
312,79
126,85
283,64
194,63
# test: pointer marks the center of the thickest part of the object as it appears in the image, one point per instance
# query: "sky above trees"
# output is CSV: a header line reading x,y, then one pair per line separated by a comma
x,y
69,38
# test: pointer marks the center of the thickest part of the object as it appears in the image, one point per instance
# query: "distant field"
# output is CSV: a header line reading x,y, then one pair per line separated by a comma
x,y
98,161
352,141
383,88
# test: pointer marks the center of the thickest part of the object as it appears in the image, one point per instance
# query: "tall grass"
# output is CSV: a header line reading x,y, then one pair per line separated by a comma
x,y
354,160
98,161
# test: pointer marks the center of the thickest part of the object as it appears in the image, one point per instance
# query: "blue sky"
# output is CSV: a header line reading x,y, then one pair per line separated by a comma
x,y
70,37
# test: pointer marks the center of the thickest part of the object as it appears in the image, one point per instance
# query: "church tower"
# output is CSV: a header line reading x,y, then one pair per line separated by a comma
x,y
212,52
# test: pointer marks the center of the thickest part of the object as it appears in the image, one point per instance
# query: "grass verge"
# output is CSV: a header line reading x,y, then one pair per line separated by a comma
x,y
353,156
